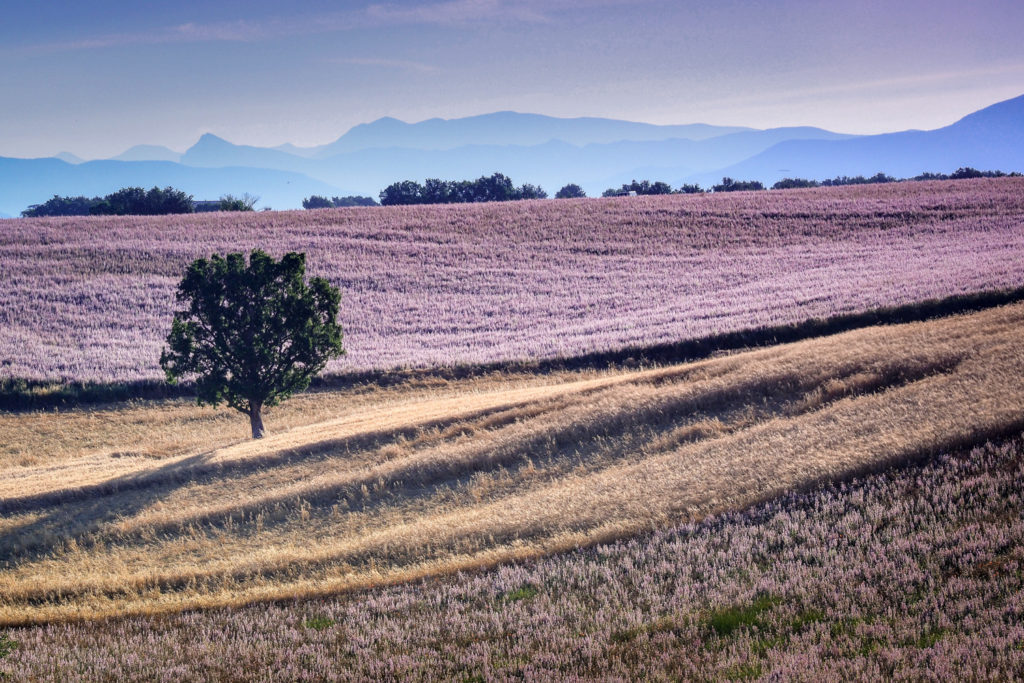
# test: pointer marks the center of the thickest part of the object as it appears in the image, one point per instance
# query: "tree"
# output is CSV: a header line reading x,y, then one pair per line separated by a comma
x,y
794,183
317,202
135,201
354,200
642,187
246,202
62,206
496,187
730,185
252,335
570,191
401,193
692,188
528,191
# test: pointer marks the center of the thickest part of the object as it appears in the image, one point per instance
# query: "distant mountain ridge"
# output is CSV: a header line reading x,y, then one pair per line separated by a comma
x,y
595,153
148,153
989,139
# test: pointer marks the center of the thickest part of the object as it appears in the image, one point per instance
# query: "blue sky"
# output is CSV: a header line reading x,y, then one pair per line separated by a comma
x,y
96,78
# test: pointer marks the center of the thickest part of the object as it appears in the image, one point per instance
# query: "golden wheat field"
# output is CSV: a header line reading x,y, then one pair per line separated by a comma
x,y
162,506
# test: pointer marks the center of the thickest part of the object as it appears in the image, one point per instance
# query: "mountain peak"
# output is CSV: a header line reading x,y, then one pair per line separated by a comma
x,y
1007,114
211,139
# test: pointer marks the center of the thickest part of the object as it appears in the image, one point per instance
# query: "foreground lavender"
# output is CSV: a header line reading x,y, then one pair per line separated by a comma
x,y
92,298
911,574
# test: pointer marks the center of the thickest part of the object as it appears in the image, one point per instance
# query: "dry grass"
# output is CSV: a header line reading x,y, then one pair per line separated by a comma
x,y
386,485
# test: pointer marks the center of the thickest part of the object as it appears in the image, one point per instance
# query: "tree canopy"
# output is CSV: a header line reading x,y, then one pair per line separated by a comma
x,y
246,202
251,334
128,201
493,188
642,187
730,185
570,191
320,202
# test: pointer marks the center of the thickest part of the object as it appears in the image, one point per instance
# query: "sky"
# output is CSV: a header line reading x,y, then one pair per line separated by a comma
x,y
95,78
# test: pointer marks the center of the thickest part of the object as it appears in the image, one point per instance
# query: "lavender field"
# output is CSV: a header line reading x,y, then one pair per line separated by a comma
x,y
908,574
91,299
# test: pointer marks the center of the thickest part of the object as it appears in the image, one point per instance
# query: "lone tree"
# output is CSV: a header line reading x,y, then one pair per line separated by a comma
x,y
252,335
570,191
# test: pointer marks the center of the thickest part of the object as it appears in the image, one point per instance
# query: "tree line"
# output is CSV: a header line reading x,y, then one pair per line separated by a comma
x,y
961,173
136,201
493,188
320,202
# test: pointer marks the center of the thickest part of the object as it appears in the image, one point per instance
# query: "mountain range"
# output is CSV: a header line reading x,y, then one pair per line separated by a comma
x,y
595,153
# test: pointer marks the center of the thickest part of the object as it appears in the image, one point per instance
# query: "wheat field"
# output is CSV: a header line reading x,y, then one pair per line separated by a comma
x,y
160,507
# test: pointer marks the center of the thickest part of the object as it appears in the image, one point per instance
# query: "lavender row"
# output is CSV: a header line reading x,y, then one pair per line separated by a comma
x,y
90,299
913,574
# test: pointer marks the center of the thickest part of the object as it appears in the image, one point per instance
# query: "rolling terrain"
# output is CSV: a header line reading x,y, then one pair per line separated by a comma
x,y
90,300
387,485
912,573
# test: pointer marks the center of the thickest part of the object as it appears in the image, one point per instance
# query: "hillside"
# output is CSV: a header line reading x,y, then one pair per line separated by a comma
x,y
992,138
394,485
913,573
91,299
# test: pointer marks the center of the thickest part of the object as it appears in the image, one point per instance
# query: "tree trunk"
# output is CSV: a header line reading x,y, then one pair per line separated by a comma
x,y
256,420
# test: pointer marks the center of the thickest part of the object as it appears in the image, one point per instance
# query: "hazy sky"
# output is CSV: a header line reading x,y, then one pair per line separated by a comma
x,y
95,78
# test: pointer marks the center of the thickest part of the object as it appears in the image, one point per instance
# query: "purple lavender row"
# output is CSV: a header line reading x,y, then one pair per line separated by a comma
x,y
92,298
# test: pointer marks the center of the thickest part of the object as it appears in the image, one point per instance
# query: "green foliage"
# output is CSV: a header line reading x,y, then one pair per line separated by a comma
x,y
522,593
62,206
642,187
128,201
965,172
493,188
318,623
729,619
806,618
244,203
730,185
690,189
7,645
317,202
858,180
743,672
570,191
930,637
402,193
354,200
528,191
251,334
135,201
792,183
